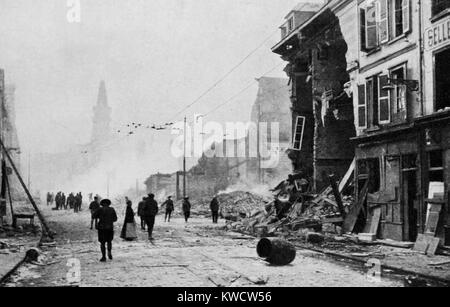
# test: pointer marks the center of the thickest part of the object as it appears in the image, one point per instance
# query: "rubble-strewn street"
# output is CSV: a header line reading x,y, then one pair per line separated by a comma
x,y
192,255
287,143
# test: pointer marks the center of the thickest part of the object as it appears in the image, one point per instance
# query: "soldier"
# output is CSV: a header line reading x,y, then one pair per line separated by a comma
x,y
150,212
215,210
93,207
169,208
140,212
186,209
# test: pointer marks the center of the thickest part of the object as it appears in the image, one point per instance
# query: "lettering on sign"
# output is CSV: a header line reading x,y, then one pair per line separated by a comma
x,y
438,35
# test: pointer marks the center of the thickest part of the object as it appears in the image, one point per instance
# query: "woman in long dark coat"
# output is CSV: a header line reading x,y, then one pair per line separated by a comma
x,y
129,219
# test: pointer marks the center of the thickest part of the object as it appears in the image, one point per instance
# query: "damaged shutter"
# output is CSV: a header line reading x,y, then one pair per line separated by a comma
x,y
384,100
371,26
297,141
406,16
383,27
362,107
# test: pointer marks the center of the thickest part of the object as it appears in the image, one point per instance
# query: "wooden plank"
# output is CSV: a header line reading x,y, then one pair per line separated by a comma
x,y
337,195
348,176
426,244
352,217
376,217
434,212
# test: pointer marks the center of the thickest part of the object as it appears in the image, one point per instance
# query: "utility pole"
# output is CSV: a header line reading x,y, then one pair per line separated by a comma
x,y
137,188
259,143
29,170
107,185
184,158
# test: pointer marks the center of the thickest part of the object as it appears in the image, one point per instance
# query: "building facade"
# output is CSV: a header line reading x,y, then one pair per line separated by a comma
x,y
396,55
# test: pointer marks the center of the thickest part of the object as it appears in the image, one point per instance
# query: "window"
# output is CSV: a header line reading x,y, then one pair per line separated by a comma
x,y
398,93
377,19
401,17
442,80
439,6
436,166
298,133
291,24
384,103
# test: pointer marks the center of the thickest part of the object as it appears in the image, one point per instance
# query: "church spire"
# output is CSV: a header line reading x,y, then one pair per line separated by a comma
x,y
101,131
102,99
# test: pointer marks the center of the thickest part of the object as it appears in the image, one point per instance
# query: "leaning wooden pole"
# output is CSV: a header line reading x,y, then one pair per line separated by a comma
x,y
33,203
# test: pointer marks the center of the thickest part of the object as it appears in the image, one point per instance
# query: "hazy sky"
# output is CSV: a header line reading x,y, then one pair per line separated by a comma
x,y
156,56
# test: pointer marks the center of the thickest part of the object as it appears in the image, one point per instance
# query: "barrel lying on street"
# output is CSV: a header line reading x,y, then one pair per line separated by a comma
x,y
276,251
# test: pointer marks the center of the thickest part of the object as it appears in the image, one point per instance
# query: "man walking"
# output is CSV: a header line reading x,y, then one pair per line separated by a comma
x,y
169,208
215,210
106,218
186,209
140,212
150,212
93,207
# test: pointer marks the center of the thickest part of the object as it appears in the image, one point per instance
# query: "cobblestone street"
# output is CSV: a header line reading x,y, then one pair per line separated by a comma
x,y
192,255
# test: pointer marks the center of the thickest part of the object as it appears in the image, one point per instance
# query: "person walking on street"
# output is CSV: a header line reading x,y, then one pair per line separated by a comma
x,y
93,207
169,208
150,212
63,201
140,212
215,210
129,225
106,216
186,209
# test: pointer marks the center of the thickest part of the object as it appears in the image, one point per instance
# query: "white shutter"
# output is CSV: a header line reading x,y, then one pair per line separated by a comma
x,y
362,106
383,26
406,14
371,26
384,100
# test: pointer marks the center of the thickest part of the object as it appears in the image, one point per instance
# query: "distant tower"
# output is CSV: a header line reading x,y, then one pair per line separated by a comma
x,y
101,131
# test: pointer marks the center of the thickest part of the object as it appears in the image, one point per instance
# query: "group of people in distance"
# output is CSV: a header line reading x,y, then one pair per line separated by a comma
x,y
73,201
103,216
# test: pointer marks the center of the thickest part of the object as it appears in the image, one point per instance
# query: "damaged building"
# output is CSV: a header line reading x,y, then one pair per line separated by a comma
x,y
365,69
322,111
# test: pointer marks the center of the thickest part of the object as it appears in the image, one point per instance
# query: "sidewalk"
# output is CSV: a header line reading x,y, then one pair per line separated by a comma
x,y
402,260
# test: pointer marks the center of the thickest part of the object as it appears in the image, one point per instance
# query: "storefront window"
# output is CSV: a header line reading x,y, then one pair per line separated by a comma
x,y
442,80
436,166
439,6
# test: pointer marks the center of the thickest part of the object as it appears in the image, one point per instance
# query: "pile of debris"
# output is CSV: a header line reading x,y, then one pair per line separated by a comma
x,y
294,209
233,206
239,204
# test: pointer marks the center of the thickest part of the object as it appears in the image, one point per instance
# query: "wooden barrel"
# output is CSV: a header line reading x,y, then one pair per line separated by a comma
x,y
276,251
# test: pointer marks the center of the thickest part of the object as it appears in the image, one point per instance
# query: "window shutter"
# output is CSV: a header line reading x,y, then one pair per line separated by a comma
x,y
297,141
362,21
362,108
384,21
406,16
384,100
371,26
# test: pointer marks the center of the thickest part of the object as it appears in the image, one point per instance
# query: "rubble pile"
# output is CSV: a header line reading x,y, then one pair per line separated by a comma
x,y
308,211
233,206
240,204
